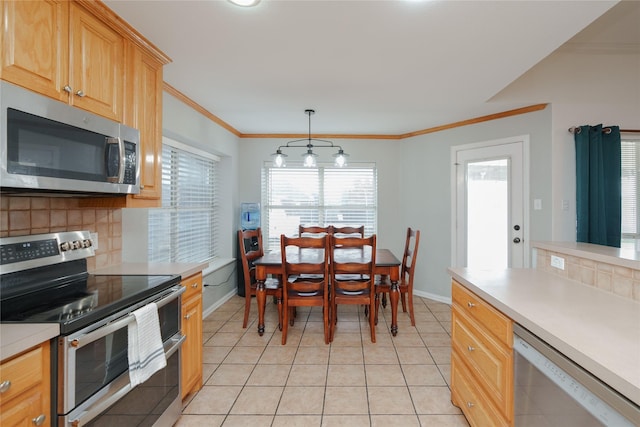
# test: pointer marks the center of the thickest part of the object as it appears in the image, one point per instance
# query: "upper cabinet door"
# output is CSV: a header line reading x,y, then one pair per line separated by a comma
x,y
144,112
97,64
35,50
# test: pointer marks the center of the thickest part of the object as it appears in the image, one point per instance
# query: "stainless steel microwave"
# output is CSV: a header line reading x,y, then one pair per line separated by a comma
x,y
47,146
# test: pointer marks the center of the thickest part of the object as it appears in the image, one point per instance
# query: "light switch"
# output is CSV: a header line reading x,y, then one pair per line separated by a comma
x,y
537,204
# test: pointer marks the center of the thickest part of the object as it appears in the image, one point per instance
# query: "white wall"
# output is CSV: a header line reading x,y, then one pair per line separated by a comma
x,y
426,168
587,85
386,155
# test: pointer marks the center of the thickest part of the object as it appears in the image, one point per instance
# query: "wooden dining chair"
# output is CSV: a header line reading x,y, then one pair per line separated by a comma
x,y
405,285
250,242
305,278
352,264
348,231
304,231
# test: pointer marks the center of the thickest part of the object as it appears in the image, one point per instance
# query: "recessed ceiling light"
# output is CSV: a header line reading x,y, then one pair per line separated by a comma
x,y
245,3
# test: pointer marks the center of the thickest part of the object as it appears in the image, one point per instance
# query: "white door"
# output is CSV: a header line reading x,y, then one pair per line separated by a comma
x,y
490,196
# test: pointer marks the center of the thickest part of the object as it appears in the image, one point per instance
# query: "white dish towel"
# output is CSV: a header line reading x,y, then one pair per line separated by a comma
x,y
145,350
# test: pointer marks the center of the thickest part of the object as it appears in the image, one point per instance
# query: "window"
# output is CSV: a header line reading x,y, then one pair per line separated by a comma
x,y
320,196
630,192
184,229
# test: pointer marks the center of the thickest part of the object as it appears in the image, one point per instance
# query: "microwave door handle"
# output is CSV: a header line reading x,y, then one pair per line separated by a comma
x,y
118,177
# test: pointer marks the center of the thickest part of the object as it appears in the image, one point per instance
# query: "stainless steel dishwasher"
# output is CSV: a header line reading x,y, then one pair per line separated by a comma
x,y
551,390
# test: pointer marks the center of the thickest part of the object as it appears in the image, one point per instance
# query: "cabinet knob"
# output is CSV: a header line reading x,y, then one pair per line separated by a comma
x,y
187,316
470,304
470,348
80,93
5,386
74,343
470,405
67,89
39,420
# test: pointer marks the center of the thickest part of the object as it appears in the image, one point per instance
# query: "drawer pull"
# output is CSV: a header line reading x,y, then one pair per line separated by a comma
x,y
187,316
194,285
470,405
5,386
470,304
39,420
470,348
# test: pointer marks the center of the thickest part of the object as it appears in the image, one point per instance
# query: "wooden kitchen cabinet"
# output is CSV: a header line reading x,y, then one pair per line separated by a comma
x,y
481,360
191,374
63,50
144,96
25,388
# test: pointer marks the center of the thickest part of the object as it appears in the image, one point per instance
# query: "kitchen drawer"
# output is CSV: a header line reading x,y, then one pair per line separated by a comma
x,y
470,398
495,322
24,372
488,359
193,284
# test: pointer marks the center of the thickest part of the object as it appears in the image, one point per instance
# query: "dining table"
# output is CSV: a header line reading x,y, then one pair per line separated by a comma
x,y
271,264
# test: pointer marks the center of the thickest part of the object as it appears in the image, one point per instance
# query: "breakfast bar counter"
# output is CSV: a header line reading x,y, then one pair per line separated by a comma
x,y
598,330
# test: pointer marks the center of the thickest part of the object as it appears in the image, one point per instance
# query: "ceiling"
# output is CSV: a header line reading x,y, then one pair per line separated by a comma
x,y
366,67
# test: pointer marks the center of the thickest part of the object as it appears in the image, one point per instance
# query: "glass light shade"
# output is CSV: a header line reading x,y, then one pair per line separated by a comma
x,y
341,159
279,159
245,3
310,159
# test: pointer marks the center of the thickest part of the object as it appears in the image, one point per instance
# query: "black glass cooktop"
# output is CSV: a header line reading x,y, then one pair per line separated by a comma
x,y
78,303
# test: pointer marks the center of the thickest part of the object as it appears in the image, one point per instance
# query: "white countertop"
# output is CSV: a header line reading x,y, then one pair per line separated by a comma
x,y
150,268
598,330
16,338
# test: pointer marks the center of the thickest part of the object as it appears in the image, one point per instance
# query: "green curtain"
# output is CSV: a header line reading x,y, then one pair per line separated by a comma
x,y
598,185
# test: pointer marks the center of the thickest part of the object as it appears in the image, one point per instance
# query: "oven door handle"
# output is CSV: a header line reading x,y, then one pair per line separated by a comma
x,y
123,386
82,340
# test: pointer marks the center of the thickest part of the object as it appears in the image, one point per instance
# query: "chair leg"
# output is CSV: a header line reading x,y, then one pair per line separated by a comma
x,y
280,313
413,319
372,322
325,316
285,324
247,308
377,307
404,301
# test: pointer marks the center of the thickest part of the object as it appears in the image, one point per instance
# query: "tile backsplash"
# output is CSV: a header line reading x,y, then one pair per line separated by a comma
x,y
619,280
21,216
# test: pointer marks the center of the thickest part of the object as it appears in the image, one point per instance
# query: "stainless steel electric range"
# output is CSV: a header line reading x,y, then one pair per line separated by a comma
x,y
44,279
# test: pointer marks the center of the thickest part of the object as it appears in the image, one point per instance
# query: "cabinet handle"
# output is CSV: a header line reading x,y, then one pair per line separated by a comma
x,y
67,89
5,386
80,93
470,348
39,420
194,285
470,304
187,316
470,405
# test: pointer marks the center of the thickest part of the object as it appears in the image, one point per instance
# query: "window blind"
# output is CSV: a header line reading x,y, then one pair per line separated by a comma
x,y
186,228
630,187
320,196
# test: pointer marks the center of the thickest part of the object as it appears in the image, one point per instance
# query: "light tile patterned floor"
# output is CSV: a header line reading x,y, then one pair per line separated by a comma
x,y
255,381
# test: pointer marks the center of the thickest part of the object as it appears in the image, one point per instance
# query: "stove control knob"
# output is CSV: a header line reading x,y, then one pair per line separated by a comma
x,y
86,243
75,244
64,246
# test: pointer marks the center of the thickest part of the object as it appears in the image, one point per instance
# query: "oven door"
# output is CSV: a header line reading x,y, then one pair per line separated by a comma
x,y
93,363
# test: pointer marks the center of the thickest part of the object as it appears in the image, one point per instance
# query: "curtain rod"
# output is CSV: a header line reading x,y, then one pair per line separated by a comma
x,y
577,129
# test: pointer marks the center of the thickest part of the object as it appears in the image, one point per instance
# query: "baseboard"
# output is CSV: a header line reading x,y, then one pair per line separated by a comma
x,y
218,303
434,297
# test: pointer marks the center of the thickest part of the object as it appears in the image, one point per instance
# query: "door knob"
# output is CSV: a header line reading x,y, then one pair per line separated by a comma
x,y
516,240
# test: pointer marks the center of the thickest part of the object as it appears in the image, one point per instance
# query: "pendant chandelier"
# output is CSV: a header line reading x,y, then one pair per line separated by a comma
x,y
309,156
